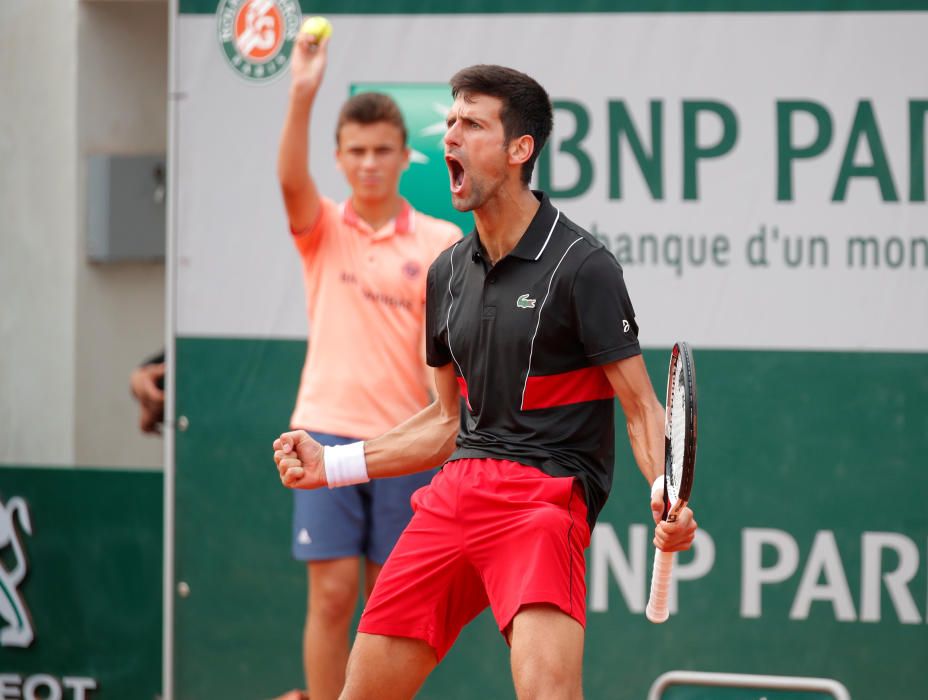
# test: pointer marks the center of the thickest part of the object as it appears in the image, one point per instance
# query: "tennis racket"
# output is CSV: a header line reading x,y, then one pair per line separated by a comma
x,y
679,465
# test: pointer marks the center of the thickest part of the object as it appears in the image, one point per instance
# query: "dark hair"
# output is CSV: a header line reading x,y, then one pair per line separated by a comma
x,y
370,108
526,106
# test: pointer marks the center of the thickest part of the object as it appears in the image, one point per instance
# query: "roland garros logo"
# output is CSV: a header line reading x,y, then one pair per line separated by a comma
x,y
257,35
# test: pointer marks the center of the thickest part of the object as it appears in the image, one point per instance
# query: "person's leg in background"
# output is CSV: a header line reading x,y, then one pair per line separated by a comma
x,y
330,534
333,595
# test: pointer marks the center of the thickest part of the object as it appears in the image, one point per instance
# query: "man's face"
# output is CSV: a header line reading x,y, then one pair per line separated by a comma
x,y
475,150
372,157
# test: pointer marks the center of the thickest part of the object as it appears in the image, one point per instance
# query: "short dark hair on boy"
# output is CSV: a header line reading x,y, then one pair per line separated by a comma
x,y
526,106
370,108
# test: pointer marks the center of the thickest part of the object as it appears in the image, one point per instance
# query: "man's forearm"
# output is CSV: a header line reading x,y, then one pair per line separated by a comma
x,y
293,156
424,441
644,415
646,435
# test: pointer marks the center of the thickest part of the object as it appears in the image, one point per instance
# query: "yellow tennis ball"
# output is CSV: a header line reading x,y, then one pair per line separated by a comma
x,y
318,27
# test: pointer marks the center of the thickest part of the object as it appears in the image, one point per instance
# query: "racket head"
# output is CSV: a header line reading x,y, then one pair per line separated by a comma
x,y
679,431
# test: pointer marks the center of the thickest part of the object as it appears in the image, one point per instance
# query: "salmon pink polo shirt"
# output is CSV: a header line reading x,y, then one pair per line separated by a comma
x,y
365,296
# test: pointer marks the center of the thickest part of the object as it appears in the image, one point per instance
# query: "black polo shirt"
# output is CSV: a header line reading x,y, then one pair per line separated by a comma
x,y
527,338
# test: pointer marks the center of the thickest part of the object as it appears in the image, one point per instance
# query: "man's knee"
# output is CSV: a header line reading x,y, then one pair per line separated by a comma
x,y
539,674
547,653
387,668
333,596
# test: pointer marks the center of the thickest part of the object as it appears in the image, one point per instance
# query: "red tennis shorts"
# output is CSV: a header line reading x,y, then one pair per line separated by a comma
x,y
484,532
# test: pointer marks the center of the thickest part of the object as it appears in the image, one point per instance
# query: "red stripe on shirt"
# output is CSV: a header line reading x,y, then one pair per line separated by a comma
x,y
587,384
462,385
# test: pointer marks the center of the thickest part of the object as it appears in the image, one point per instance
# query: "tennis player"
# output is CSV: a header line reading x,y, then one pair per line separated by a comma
x,y
365,263
532,333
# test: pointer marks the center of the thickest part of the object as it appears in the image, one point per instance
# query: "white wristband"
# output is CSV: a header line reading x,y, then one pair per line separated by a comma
x,y
658,486
345,465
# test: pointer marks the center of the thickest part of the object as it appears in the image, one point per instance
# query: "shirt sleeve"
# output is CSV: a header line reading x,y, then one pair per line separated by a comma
x,y
154,359
309,240
436,346
603,312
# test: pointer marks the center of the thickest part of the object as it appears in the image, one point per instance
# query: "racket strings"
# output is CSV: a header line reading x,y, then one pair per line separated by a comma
x,y
677,435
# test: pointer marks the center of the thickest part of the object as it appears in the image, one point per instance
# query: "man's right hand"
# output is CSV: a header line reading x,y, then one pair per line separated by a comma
x,y
299,460
144,385
307,64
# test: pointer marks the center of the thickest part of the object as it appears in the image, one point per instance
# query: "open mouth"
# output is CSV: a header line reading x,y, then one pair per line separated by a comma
x,y
456,173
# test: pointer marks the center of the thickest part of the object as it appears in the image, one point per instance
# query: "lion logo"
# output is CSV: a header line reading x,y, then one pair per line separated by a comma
x,y
14,615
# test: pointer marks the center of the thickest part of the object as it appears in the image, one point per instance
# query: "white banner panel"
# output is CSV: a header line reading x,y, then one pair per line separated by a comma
x,y
760,176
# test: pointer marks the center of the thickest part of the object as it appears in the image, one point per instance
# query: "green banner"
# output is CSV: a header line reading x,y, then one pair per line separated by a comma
x,y
80,584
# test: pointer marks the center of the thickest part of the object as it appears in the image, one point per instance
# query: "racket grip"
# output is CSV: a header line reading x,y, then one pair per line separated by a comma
x,y
657,611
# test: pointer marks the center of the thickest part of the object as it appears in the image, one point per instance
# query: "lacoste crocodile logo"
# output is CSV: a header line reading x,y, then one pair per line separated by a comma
x,y
523,302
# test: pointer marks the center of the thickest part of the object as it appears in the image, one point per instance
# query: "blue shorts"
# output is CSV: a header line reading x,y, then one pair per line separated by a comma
x,y
365,519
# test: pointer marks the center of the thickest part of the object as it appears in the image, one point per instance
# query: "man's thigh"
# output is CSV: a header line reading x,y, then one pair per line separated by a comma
x,y
547,653
387,668
427,589
527,536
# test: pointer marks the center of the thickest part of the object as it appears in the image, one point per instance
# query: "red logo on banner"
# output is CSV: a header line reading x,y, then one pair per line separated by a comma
x,y
259,30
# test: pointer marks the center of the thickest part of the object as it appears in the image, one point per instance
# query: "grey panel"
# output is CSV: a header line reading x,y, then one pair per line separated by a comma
x,y
125,208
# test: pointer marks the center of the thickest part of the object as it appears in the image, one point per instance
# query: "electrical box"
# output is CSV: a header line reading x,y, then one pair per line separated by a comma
x,y
126,208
